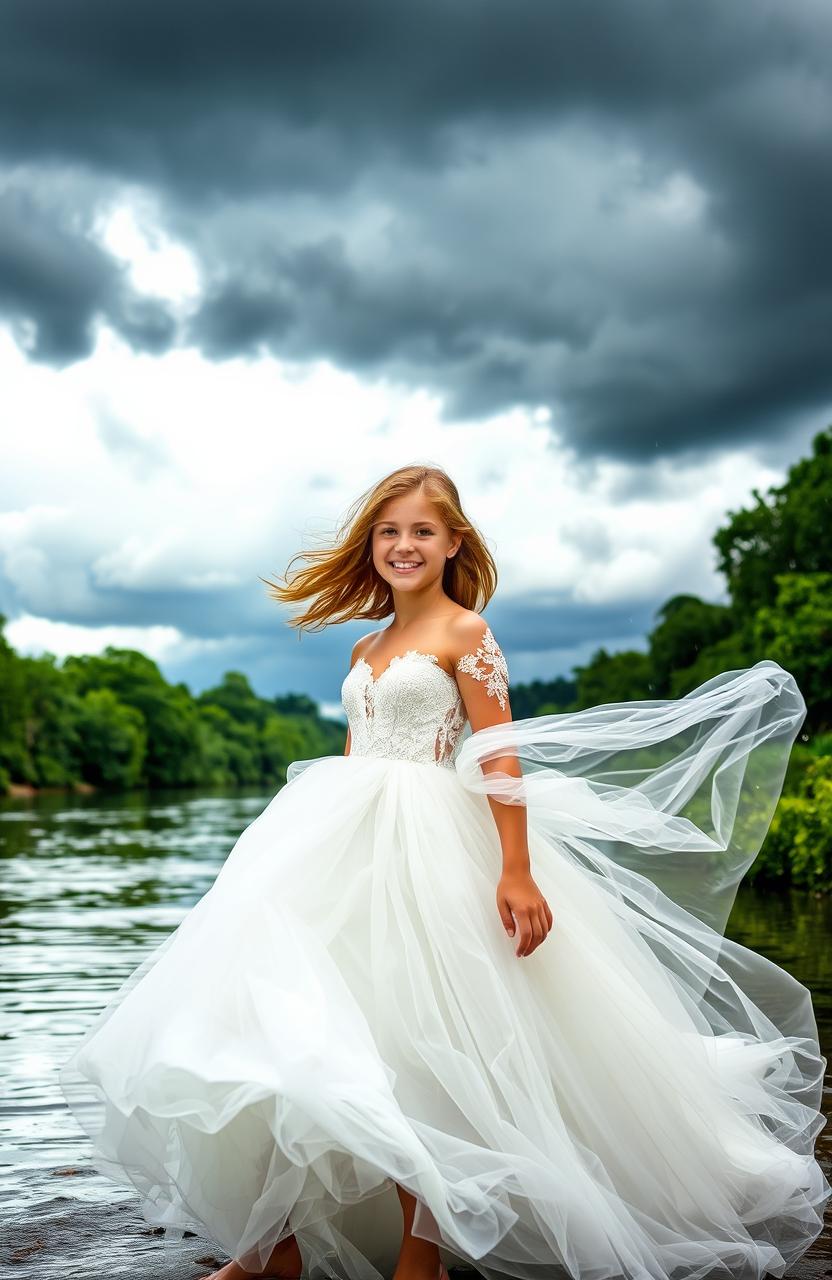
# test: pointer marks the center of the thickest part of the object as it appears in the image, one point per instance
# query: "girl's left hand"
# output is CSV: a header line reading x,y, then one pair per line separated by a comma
x,y
519,898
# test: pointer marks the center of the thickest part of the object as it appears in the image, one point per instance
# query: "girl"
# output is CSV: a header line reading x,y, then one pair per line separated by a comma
x,y
462,995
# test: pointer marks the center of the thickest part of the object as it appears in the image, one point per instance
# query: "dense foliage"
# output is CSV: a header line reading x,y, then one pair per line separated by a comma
x,y
113,721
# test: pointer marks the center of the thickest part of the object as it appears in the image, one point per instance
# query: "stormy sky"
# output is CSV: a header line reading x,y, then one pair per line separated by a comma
x,y
255,255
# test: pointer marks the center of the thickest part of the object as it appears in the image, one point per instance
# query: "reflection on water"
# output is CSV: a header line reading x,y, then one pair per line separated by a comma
x,y
89,886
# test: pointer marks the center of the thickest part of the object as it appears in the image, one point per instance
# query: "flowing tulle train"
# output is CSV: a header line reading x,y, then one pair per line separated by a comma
x,y
343,1011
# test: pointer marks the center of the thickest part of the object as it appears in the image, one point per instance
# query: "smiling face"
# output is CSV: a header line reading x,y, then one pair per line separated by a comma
x,y
411,543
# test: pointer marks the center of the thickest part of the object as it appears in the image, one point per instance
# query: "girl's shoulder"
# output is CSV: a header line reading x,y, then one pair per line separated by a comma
x,y
467,631
360,645
479,660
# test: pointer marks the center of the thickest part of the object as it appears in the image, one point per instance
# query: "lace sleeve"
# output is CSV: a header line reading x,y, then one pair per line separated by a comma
x,y
488,665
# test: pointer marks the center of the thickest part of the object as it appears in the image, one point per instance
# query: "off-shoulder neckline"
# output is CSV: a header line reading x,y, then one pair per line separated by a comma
x,y
398,657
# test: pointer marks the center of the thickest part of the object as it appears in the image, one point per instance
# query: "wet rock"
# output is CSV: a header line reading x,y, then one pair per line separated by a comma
x,y
65,1237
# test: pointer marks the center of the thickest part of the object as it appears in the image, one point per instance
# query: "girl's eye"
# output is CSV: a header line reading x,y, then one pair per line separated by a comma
x,y
429,531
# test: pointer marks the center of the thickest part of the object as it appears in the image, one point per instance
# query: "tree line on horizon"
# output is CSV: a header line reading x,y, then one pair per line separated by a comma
x,y
114,722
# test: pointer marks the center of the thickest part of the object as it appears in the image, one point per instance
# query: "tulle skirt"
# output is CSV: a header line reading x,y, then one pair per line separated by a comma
x,y
343,1011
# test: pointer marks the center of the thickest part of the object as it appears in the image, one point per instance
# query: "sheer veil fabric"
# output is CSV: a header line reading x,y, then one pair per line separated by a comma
x,y
343,1010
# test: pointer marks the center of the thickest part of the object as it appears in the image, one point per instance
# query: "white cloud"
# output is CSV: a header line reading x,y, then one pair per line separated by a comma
x,y
33,635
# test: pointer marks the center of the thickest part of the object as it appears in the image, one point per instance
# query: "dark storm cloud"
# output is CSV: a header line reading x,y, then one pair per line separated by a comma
x,y
418,190
54,282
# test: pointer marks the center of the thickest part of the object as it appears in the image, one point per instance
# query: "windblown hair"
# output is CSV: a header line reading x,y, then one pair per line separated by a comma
x,y
341,579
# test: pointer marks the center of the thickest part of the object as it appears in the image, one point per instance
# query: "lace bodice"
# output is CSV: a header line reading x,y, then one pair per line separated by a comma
x,y
413,710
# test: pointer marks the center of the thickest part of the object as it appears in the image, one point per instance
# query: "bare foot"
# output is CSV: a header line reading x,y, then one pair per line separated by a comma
x,y
285,1261
421,1271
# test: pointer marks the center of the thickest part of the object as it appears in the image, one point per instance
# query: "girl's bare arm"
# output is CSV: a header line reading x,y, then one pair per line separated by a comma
x,y
482,676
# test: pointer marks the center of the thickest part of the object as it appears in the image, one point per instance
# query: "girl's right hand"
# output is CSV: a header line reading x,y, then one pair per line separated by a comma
x,y
519,899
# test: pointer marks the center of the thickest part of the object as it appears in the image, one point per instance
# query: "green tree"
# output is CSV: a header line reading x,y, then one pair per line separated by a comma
x,y
687,626
215,768
241,744
169,711
614,677
730,654
53,741
295,704
796,631
542,697
15,760
113,738
798,846
236,696
788,530
286,739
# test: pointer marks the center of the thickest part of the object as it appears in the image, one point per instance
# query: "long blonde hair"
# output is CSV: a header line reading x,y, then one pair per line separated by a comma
x,y
341,578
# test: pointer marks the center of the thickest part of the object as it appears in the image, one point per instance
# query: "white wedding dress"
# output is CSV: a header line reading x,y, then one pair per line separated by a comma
x,y
343,1010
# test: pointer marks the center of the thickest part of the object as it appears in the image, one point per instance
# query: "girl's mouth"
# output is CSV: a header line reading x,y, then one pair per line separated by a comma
x,y
405,566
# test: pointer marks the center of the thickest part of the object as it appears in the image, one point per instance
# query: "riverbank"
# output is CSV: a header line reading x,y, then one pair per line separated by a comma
x,y
63,1234
25,791
68,1231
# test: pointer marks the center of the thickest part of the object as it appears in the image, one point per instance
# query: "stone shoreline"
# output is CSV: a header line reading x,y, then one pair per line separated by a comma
x,y
59,1236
